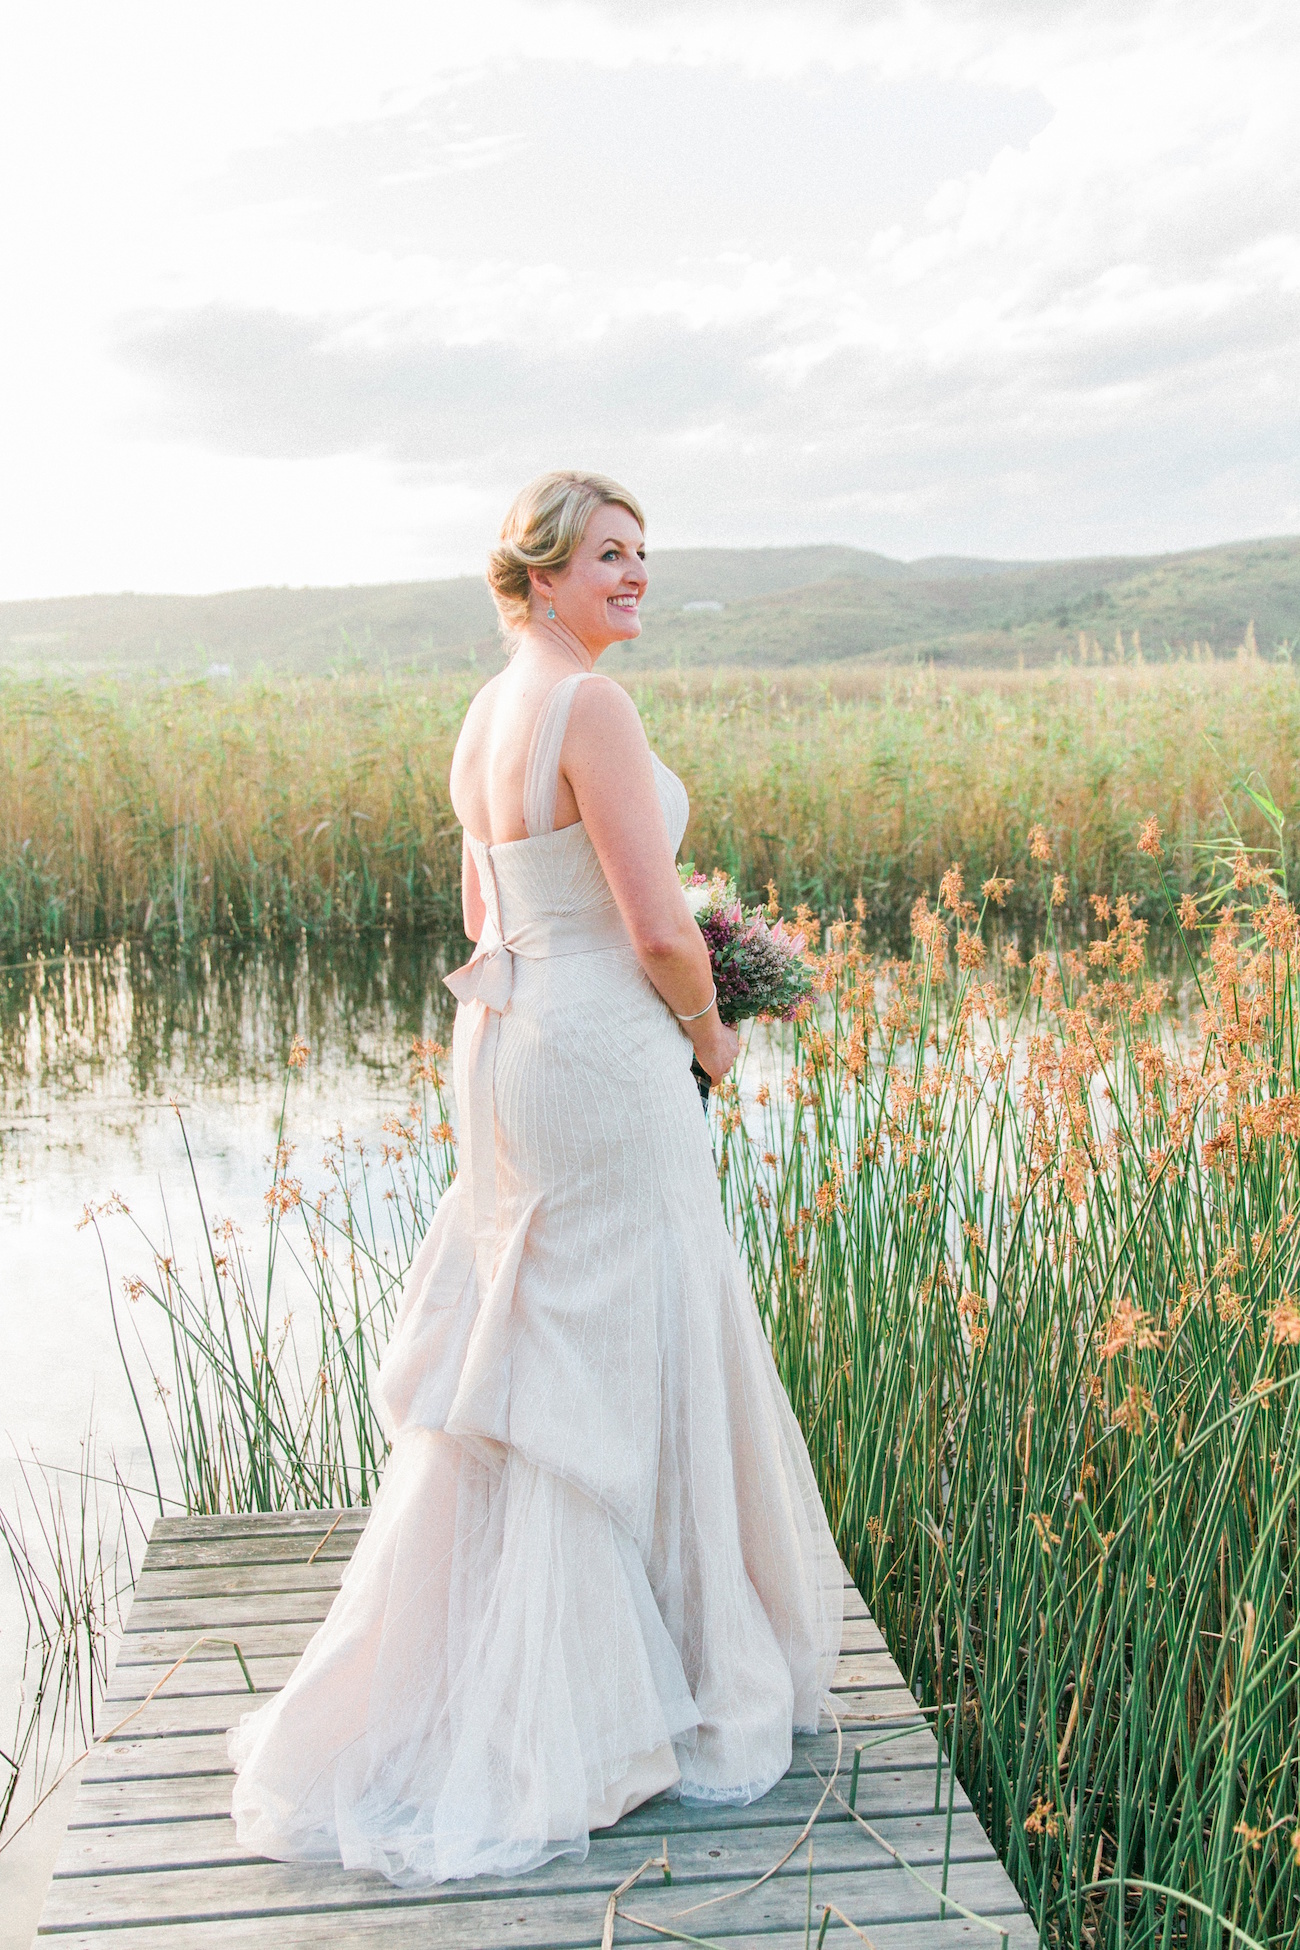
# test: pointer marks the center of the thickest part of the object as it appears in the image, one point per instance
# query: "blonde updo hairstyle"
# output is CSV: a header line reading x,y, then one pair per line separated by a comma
x,y
542,530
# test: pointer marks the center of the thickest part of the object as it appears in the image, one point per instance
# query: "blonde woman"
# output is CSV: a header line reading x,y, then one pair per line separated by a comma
x,y
598,1568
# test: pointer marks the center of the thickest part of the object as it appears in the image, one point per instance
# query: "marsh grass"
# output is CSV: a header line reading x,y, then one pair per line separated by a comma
x,y
71,1550
264,1368
181,811
1030,1274
1027,1251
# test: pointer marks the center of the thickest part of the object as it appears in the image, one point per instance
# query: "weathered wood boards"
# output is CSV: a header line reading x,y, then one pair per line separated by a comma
x,y
151,1860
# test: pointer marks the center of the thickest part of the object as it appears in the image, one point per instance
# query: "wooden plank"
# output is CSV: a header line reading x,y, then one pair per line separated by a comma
x,y
220,1580
281,1608
376,1931
704,1850
709,1858
143,1651
218,1675
258,1542
861,1635
195,1615
252,1553
207,1842
141,1647
255,1641
254,1549
127,1758
461,1915
863,1713
165,1715
182,1802
220,1672
892,1750
276,1891
271,1523
861,1671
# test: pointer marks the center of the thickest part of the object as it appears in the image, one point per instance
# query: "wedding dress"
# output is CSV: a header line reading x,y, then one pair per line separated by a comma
x,y
597,1566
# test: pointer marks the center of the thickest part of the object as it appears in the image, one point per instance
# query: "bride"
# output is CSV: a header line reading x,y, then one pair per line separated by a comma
x,y
598,1568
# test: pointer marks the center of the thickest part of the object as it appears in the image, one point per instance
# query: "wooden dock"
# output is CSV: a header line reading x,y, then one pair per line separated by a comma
x,y
150,1860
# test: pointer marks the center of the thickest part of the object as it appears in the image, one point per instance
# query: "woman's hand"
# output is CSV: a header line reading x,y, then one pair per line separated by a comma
x,y
716,1046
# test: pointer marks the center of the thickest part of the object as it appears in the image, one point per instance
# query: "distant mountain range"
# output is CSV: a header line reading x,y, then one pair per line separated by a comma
x,y
766,607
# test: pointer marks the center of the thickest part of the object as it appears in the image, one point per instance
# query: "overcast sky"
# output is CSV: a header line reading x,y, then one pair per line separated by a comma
x,y
301,292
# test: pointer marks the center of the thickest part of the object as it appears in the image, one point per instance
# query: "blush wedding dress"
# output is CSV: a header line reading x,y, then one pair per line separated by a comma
x,y
597,1567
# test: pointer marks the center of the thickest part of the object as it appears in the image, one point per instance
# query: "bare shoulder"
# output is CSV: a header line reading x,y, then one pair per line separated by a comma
x,y
484,700
479,712
602,711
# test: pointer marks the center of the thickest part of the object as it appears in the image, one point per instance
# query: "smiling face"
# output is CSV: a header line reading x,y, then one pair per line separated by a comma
x,y
598,595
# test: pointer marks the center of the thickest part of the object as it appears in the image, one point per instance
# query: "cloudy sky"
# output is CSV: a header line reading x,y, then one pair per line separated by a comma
x,y
300,292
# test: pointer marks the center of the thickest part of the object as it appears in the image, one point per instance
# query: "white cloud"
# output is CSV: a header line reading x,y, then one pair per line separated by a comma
x,y
306,299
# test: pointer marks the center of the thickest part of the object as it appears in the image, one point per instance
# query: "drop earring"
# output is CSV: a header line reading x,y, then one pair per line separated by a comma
x,y
550,612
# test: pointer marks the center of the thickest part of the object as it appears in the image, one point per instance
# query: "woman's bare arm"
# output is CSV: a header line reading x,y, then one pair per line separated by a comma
x,y
606,761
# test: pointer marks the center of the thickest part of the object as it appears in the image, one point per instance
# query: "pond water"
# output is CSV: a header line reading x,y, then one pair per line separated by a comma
x,y
97,1053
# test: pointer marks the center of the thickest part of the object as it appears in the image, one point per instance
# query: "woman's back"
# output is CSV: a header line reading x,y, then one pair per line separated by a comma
x,y
546,747
490,765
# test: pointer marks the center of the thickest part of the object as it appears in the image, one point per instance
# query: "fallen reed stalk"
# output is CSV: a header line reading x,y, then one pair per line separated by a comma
x,y
111,1733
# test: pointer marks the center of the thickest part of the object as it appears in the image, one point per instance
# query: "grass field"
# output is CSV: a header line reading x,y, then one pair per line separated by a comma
x,y
1029,1260
176,811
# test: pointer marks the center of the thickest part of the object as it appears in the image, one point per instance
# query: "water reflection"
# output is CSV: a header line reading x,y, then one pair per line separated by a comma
x,y
119,1018
96,1049
96,1053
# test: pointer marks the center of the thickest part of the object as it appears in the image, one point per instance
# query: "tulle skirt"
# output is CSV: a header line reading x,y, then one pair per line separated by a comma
x,y
598,1567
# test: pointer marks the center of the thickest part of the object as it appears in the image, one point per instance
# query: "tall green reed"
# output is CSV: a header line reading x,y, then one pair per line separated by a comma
x,y
172,812
262,1362
1029,1269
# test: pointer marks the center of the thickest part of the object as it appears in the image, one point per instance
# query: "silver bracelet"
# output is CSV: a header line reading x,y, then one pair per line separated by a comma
x,y
698,1012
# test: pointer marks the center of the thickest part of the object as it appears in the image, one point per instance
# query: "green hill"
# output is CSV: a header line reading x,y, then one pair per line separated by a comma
x,y
999,613
764,607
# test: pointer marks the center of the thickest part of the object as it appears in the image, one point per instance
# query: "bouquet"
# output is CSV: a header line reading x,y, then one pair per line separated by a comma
x,y
758,964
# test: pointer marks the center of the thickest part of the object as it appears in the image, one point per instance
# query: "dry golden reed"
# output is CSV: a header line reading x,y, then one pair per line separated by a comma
x,y
186,810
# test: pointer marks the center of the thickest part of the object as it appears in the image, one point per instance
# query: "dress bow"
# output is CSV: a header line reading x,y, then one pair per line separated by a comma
x,y
489,974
